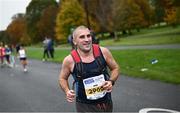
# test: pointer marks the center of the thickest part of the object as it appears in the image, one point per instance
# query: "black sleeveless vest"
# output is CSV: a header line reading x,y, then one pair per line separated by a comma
x,y
91,69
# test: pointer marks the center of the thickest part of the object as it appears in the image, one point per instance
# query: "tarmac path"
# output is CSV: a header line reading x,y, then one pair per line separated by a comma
x,y
38,91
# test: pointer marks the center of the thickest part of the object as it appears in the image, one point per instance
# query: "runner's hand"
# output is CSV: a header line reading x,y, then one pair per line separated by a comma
x,y
70,96
107,86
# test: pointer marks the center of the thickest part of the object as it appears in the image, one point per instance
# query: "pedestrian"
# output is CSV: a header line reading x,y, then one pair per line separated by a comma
x,y
12,58
50,47
23,58
17,48
7,54
93,35
45,51
70,41
89,64
2,53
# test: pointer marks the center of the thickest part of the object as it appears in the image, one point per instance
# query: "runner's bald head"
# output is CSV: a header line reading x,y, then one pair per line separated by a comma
x,y
77,31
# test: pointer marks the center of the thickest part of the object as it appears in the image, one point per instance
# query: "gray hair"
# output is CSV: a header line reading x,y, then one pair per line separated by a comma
x,y
76,31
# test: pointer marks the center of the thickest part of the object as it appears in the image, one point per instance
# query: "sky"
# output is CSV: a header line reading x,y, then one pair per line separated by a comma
x,y
8,8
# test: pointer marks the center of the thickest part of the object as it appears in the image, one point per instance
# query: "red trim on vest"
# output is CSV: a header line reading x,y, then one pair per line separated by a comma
x,y
75,56
96,53
96,50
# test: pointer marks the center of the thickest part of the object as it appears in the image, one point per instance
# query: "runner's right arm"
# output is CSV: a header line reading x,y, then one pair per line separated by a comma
x,y
63,79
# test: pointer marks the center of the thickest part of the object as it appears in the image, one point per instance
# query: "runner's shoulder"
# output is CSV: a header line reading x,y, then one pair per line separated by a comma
x,y
68,59
105,51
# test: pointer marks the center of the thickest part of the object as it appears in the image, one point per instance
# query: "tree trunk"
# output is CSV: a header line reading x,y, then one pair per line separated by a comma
x,y
124,32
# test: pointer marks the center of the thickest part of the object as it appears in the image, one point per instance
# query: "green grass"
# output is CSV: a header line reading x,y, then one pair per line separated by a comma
x,y
166,35
37,53
132,61
166,70
147,36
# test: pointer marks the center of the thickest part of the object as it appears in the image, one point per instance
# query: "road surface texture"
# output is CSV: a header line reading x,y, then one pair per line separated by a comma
x,y
38,91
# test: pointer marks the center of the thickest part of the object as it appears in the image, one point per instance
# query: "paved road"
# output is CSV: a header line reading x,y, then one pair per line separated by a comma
x,y
38,91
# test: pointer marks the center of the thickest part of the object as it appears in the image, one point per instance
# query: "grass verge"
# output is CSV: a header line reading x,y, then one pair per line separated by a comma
x,y
132,61
166,69
155,36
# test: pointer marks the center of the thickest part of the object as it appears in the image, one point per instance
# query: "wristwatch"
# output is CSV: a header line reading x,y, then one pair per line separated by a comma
x,y
112,81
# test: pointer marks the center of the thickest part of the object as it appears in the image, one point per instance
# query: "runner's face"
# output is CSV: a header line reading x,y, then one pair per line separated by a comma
x,y
84,40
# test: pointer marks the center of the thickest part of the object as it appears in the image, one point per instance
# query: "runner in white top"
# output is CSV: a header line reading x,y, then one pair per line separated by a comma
x,y
23,59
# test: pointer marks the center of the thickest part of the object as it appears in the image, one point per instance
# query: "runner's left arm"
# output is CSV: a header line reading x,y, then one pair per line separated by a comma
x,y
112,64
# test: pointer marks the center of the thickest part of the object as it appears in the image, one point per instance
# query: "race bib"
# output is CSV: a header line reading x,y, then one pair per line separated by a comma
x,y
93,87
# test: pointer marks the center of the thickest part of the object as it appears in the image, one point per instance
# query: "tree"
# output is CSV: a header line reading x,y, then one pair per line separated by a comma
x,y
100,12
127,15
4,37
178,14
47,22
159,9
171,12
17,30
34,12
147,11
70,15
167,11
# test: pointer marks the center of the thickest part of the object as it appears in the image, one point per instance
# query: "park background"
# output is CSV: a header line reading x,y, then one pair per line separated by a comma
x,y
115,22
